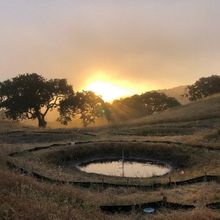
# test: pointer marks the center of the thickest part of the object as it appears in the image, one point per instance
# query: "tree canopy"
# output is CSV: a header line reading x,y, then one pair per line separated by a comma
x,y
87,105
204,87
31,96
142,105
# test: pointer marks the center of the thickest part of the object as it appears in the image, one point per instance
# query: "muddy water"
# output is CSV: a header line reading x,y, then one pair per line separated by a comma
x,y
126,168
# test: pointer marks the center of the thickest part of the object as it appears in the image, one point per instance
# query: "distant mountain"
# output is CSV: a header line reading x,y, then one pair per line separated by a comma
x,y
177,92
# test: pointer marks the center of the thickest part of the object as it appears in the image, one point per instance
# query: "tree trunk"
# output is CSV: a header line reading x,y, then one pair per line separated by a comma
x,y
84,123
41,121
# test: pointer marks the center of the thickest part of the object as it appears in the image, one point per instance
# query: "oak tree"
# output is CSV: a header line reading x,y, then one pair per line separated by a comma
x,y
31,96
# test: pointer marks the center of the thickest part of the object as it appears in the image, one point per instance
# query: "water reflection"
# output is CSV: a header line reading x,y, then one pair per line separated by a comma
x,y
126,168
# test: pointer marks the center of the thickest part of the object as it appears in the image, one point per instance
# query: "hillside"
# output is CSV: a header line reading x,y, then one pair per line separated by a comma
x,y
177,93
186,136
206,108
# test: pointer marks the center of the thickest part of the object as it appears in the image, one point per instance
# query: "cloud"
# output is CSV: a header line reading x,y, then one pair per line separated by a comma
x,y
164,43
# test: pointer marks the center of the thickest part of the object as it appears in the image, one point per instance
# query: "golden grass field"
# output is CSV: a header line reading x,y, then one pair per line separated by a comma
x,y
195,127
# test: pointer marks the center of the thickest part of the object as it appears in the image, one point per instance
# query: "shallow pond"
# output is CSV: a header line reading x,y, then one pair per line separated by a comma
x,y
126,168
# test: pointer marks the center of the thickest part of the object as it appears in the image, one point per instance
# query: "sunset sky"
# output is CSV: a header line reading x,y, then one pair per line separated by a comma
x,y
131,45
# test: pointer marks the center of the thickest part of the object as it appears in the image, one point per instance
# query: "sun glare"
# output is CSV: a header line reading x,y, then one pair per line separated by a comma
x,y
108,91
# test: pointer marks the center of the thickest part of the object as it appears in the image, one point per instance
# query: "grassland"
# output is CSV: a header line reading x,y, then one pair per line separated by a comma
x,y
188,137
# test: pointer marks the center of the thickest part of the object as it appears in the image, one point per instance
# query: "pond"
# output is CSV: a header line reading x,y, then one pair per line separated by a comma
x,y
126,168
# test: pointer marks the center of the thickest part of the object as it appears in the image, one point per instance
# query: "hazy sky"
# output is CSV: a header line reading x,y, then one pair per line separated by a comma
x,y
147,44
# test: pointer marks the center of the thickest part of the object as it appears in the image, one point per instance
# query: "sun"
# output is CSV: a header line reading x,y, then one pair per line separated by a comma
x,y
108,91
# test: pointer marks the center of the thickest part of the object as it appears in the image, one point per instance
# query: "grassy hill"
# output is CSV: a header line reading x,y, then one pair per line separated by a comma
x,y
206,108
24,197
177,92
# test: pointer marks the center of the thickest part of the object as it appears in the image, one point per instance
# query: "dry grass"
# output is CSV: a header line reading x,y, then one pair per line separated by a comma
x,y
24,198
199,214
58,162
207,108
6,125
